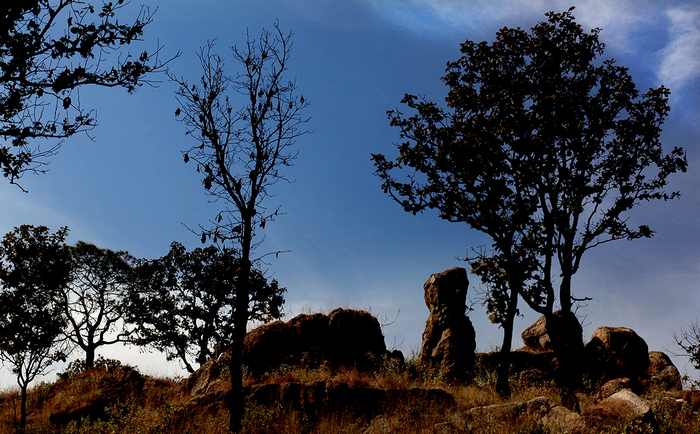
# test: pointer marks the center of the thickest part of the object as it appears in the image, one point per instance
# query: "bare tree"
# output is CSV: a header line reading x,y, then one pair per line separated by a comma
x,y
93,300
240,153
689,341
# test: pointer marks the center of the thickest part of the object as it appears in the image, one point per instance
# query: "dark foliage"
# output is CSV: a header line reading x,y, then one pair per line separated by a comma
x,y
182,303
49,49
34,268
78,366
544,146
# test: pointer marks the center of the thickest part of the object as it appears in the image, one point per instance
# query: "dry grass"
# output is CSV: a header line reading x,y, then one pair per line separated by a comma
x,y
165,405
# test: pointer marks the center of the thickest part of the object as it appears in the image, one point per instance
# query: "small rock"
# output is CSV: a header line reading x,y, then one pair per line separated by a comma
x,y
536,407
560,419
380,425
445,428
613,386
623,406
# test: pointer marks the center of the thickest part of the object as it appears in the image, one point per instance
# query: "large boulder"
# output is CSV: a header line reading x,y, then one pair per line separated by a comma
x,y
559,331
355,337
343,338
449,340
615,352
662,373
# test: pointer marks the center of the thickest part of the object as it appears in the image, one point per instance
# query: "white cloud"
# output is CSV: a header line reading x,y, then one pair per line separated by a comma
x,y
680,59
618,19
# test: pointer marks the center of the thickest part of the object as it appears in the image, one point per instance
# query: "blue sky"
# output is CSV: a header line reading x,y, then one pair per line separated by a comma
x,y
350,245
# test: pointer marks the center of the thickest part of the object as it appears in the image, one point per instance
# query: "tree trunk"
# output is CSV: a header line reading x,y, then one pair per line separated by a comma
x,y
23,409
89,357
565,293
240,322
503,369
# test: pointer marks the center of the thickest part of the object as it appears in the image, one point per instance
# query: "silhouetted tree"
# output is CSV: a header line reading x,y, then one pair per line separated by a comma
x,y
34,268
241,154
49,49
689,341
468,162
93,300
539,129
182,303
597,141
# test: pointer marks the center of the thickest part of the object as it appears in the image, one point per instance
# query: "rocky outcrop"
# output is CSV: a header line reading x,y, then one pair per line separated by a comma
x,y
662,373
343,338
616,352
449,340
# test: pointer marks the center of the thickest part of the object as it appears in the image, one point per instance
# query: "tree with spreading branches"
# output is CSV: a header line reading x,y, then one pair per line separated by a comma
x,y
539,128
241,154
182,304
34,269
49,50
93,301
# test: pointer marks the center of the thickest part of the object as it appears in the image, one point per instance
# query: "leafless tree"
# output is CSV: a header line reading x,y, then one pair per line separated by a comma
x,y
240,152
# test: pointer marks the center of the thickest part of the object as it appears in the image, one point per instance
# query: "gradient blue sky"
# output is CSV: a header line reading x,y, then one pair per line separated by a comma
x,y
350,245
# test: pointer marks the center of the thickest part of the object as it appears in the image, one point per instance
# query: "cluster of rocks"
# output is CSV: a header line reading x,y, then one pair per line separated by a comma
x,y
615,355
353,338
616,360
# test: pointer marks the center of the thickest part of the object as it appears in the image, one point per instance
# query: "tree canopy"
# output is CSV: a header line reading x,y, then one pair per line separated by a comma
x,y
94,298
182,303
543,144
34,268
49,49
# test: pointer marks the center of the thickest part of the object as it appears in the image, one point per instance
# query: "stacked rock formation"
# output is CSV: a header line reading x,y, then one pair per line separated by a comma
x,y
449,340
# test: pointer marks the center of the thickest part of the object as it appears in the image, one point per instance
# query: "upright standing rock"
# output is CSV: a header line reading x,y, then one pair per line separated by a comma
x,y
449,340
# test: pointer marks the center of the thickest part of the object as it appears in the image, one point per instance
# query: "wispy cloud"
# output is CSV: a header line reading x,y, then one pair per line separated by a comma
x,y
680,59
618,19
